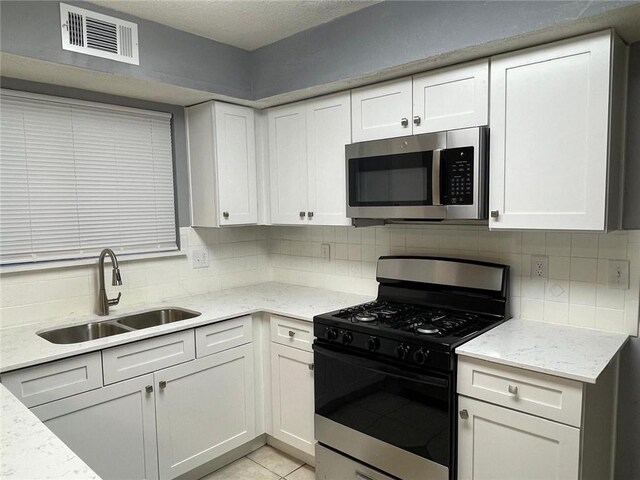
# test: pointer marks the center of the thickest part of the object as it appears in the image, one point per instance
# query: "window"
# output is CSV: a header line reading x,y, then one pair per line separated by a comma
x,y
76,177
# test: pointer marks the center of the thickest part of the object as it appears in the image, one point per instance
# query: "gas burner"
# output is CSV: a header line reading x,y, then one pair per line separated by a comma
x,y
365,317
428,329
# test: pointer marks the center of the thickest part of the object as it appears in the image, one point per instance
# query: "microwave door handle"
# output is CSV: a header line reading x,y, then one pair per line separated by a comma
x,y
435,177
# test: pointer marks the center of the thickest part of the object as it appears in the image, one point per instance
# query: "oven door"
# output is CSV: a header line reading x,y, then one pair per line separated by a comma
x,y
395,419
395,178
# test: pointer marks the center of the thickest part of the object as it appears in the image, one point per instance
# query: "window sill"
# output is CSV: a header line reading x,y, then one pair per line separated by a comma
x,y
52,265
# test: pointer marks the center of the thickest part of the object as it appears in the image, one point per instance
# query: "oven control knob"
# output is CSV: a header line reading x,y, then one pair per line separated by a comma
x,y
347,338
331,333
374,344
420,356
402,351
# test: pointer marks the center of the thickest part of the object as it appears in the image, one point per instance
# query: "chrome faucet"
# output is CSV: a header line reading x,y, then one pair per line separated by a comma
x,y
116,279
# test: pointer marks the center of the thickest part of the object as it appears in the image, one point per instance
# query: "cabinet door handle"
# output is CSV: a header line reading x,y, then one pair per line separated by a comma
x,y
362,476
311,366
464,414
417,120
302,214
163,384
495,213
225,215
310,215
513,389
404,122
292,333
148,389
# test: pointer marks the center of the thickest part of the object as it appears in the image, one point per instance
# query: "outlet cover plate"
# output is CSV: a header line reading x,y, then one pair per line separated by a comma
x,y
540,267
325,252
199,258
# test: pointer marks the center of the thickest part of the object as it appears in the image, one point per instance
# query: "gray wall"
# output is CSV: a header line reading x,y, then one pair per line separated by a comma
x,y
181,169
32,29
395,33
631,218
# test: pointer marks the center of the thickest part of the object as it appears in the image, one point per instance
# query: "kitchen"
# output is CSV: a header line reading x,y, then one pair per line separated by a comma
x,y
285,268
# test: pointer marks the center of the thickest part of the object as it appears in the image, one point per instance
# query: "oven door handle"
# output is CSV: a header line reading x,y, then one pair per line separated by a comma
x,y
380,367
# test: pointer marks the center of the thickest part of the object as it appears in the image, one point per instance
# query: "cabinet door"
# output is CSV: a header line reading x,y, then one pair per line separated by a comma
x,y
549,135
204,409
288,164
381,111
496,443
236,162
112,429
292,396
328,131
451,98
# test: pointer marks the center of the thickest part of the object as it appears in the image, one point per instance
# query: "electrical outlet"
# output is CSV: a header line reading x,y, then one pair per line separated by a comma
x,y
200,258
325,252
619,274
540,266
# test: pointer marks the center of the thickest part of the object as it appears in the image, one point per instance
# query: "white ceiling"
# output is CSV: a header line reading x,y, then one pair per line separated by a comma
x,y
248,24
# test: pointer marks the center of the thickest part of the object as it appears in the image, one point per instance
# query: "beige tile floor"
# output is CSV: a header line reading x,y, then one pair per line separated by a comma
x,y
266,463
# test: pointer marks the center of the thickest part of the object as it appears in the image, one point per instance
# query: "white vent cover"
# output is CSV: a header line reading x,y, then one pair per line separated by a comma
x,y
99,35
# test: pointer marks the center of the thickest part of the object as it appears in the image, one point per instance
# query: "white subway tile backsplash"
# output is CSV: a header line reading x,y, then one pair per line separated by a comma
x,y
558,244
582,316
584,245
584,269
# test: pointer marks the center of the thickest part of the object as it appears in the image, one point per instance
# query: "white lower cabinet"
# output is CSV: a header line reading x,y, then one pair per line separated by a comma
x,y
527,425
204,409
112,429
292,400
496,443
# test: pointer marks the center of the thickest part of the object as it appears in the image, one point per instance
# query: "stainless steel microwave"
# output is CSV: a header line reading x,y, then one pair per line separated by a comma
x,y
434,176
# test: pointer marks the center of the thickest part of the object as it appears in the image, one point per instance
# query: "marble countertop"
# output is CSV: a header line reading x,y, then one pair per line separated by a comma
x,y
21,346
29,450
560,350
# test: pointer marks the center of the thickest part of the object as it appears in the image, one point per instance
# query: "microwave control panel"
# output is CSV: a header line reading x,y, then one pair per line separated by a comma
x,y
457,176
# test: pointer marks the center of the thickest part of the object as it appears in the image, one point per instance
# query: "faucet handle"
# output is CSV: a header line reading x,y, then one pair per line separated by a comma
x,y
114,301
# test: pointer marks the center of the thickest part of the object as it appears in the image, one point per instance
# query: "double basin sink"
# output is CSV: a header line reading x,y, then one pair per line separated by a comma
x,y
117,326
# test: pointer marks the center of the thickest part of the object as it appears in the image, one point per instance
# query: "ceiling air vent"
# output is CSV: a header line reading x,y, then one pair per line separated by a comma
x,y
99,35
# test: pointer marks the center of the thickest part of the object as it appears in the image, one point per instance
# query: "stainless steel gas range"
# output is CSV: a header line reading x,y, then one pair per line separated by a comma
x,y
385,371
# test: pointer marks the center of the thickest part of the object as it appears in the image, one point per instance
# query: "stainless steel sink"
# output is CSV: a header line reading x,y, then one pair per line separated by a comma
x,y
154,318
83,333
116,326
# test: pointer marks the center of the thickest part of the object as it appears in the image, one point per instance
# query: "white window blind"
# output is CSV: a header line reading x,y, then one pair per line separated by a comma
x,y
76,177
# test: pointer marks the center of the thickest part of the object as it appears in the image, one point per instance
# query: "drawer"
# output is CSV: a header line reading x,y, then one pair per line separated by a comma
x,y
146,356
543,395
223,335
55,380
294,333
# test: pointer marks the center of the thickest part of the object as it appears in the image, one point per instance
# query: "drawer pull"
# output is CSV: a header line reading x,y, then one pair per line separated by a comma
x,y
513,389
292,333
163,384
464,414
311,366
148,389
362,476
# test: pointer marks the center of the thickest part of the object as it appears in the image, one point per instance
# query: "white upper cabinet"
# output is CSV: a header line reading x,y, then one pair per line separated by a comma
x,y
381,111
555,139
451,98
288,164
222,165
328,132
307,162
444,99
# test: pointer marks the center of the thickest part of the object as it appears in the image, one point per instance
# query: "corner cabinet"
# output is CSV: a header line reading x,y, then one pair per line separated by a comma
x,y
307,162
514,423
222,165
443,99
557,135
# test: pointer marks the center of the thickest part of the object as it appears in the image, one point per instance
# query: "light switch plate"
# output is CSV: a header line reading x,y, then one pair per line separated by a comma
x,y
325,252
619,274
199,258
